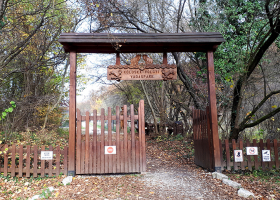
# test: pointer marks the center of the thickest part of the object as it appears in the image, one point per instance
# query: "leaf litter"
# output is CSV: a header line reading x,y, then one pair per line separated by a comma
x,y
171,174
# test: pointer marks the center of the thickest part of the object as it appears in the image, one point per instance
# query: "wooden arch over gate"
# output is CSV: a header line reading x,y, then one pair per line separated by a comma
x,y
141,43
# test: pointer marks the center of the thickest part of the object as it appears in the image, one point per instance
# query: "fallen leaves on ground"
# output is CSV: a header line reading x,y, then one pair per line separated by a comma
x,y
170,157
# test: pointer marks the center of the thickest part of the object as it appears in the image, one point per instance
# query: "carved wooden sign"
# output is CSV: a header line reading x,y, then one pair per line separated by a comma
x,y
141,71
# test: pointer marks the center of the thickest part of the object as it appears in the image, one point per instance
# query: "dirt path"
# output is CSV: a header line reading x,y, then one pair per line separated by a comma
x,y
162,181
173,182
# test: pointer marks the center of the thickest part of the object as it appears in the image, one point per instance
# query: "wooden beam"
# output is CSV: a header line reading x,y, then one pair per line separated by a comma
x,y
72,114
213,110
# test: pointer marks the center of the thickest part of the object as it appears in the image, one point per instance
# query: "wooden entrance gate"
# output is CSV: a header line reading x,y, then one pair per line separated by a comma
x,y
124,132
202,136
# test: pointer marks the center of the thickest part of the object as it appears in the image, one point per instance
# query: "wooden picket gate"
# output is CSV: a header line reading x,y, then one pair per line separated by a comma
x,y
130,154
202,136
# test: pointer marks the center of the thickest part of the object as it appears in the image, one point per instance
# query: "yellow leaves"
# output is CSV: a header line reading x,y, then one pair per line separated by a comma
x,y
274,106
56,194
231,86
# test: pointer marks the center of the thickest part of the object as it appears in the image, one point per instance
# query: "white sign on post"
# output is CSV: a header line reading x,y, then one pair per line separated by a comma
x,y
266,156
110,149
238,156
46,155
252,151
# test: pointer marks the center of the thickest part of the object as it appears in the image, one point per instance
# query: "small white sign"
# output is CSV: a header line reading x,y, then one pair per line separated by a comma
x,y
46,155
251,151
110,149
266,155
238,156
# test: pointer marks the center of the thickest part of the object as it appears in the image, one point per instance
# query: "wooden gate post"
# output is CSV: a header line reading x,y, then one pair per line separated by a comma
x,y
213,110
72,114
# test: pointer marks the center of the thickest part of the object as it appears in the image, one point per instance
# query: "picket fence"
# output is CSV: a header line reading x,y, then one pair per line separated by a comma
x,y
25,161
249,161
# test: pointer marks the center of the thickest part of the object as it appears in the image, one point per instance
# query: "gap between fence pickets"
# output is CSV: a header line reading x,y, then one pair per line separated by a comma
x,y
29,156
249,161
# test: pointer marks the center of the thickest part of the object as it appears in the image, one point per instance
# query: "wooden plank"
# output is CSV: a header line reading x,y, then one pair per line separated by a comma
x,y
125,148
213,109
227,154
262,148
20,160
50,163
13,164
122,155
78,144
43,166
90,158
223,164
94,141
129,156
72,113
57,159
87,144
106,164
102,147
35,150
132,138
256,163
143,141
65,160
164,61
276,154
83,149
110,157
139,42
98,157
137,156
118,59
28,161
234,148
140,138
241,148
118,138
248,144
114,159
5,160
268,146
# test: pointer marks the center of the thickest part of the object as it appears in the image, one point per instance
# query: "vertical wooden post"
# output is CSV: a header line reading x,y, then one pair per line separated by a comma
x,y
164,58
213,109
72,114
118,59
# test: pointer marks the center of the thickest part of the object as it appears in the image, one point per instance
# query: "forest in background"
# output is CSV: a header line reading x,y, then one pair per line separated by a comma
x,y
34,67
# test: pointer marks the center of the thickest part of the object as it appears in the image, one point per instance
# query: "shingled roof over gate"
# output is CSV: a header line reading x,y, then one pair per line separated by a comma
x,y
140,42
